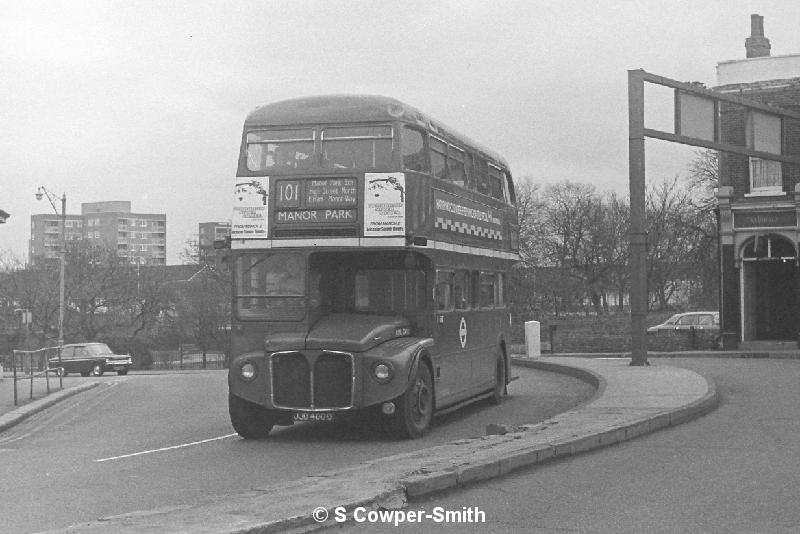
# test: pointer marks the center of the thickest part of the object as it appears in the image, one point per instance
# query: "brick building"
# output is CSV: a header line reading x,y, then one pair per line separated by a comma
x,y
141,237
759,200
209,232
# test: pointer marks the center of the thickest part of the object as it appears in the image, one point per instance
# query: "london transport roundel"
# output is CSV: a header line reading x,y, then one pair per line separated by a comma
x,y
462,332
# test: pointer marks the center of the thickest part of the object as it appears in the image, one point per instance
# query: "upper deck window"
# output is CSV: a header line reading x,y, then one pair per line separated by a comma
x,y
357,147
438,157
413,145
456,168
283,149
495,181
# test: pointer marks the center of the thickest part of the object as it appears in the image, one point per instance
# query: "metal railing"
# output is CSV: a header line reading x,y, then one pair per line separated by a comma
x,y
30,364
183,359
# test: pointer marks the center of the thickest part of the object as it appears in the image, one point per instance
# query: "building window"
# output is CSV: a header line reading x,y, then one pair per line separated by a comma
x,y
766,177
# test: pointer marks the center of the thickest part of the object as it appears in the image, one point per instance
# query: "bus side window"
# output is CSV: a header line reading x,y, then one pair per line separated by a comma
x,y
495,182
457,172
482,175
462,290
508,188
438,158
470,171
413,150
443,291
488,288
500,291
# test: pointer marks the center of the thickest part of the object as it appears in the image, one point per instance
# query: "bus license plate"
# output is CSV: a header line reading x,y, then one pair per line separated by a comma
x,y
313,416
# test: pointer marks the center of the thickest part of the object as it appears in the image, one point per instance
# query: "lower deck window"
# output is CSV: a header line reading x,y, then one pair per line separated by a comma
x,y
271,286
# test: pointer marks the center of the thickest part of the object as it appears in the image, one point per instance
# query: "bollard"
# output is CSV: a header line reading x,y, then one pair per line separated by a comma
x,y
533,345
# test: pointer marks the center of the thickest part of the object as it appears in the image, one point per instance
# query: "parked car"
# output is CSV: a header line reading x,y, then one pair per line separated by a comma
x,y
90,359
700,320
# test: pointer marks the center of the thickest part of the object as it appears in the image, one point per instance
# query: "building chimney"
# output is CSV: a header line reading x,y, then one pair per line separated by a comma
x,y
757,45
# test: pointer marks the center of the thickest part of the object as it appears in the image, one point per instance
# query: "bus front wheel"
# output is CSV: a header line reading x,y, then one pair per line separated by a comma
x,y
415,407
249,420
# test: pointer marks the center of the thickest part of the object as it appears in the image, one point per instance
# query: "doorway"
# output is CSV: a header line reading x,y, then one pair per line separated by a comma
x,y
769,289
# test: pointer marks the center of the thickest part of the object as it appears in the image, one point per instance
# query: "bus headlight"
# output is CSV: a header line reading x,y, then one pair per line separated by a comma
x,y
247,371
383,372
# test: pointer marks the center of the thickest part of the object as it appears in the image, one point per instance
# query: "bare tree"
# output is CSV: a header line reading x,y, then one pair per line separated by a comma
x,y
576,237
703,180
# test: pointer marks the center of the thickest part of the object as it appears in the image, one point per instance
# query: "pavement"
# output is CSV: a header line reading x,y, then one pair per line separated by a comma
x,y
630,401
11,414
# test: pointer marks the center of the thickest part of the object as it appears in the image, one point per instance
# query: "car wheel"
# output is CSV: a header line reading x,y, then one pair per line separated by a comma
x,y
499,381
415,407
249,420
97,369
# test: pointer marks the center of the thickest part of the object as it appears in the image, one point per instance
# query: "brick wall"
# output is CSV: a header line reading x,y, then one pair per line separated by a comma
x,y
781,93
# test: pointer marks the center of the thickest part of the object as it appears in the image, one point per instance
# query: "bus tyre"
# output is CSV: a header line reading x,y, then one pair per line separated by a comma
x,y
249,420
499,381
415,407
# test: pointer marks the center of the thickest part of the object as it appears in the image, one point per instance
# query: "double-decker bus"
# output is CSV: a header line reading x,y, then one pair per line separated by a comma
x,y
370,248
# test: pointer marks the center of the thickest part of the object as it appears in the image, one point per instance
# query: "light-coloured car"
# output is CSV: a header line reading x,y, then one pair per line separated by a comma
x,y
90,359
699,320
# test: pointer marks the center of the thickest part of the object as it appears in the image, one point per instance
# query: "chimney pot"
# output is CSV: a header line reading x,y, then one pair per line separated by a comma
x,y
757,45
756,26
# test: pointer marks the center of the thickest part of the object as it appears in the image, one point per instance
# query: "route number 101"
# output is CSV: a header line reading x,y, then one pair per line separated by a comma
x,y
288,194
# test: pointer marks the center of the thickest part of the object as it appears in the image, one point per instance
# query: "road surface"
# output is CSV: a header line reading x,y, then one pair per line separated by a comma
x,y
151,440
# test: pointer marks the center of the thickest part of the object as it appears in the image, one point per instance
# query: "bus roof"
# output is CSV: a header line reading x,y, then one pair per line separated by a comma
x,y
332,109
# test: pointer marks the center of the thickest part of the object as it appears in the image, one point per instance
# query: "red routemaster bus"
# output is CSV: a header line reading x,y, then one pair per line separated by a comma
x,y
370,248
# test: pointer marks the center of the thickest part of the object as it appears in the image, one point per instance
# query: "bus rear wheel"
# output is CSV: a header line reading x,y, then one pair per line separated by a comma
x,y
249,420
415,407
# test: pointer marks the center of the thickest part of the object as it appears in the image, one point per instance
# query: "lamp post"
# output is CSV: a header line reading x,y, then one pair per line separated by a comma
x,y
42,191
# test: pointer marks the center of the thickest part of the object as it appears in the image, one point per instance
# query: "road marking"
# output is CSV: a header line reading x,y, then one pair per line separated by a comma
x,y
9,440
173,447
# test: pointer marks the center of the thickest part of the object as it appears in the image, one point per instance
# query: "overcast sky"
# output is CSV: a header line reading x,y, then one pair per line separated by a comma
x,y
145,100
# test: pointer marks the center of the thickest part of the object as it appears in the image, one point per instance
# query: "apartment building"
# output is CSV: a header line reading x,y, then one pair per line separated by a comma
x,y
140,237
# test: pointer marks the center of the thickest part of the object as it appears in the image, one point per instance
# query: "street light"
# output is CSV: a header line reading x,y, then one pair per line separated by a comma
x,y
40,192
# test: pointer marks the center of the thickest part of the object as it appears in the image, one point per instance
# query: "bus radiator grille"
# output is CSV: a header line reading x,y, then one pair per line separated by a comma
x,y
333,379
291,380
331,374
